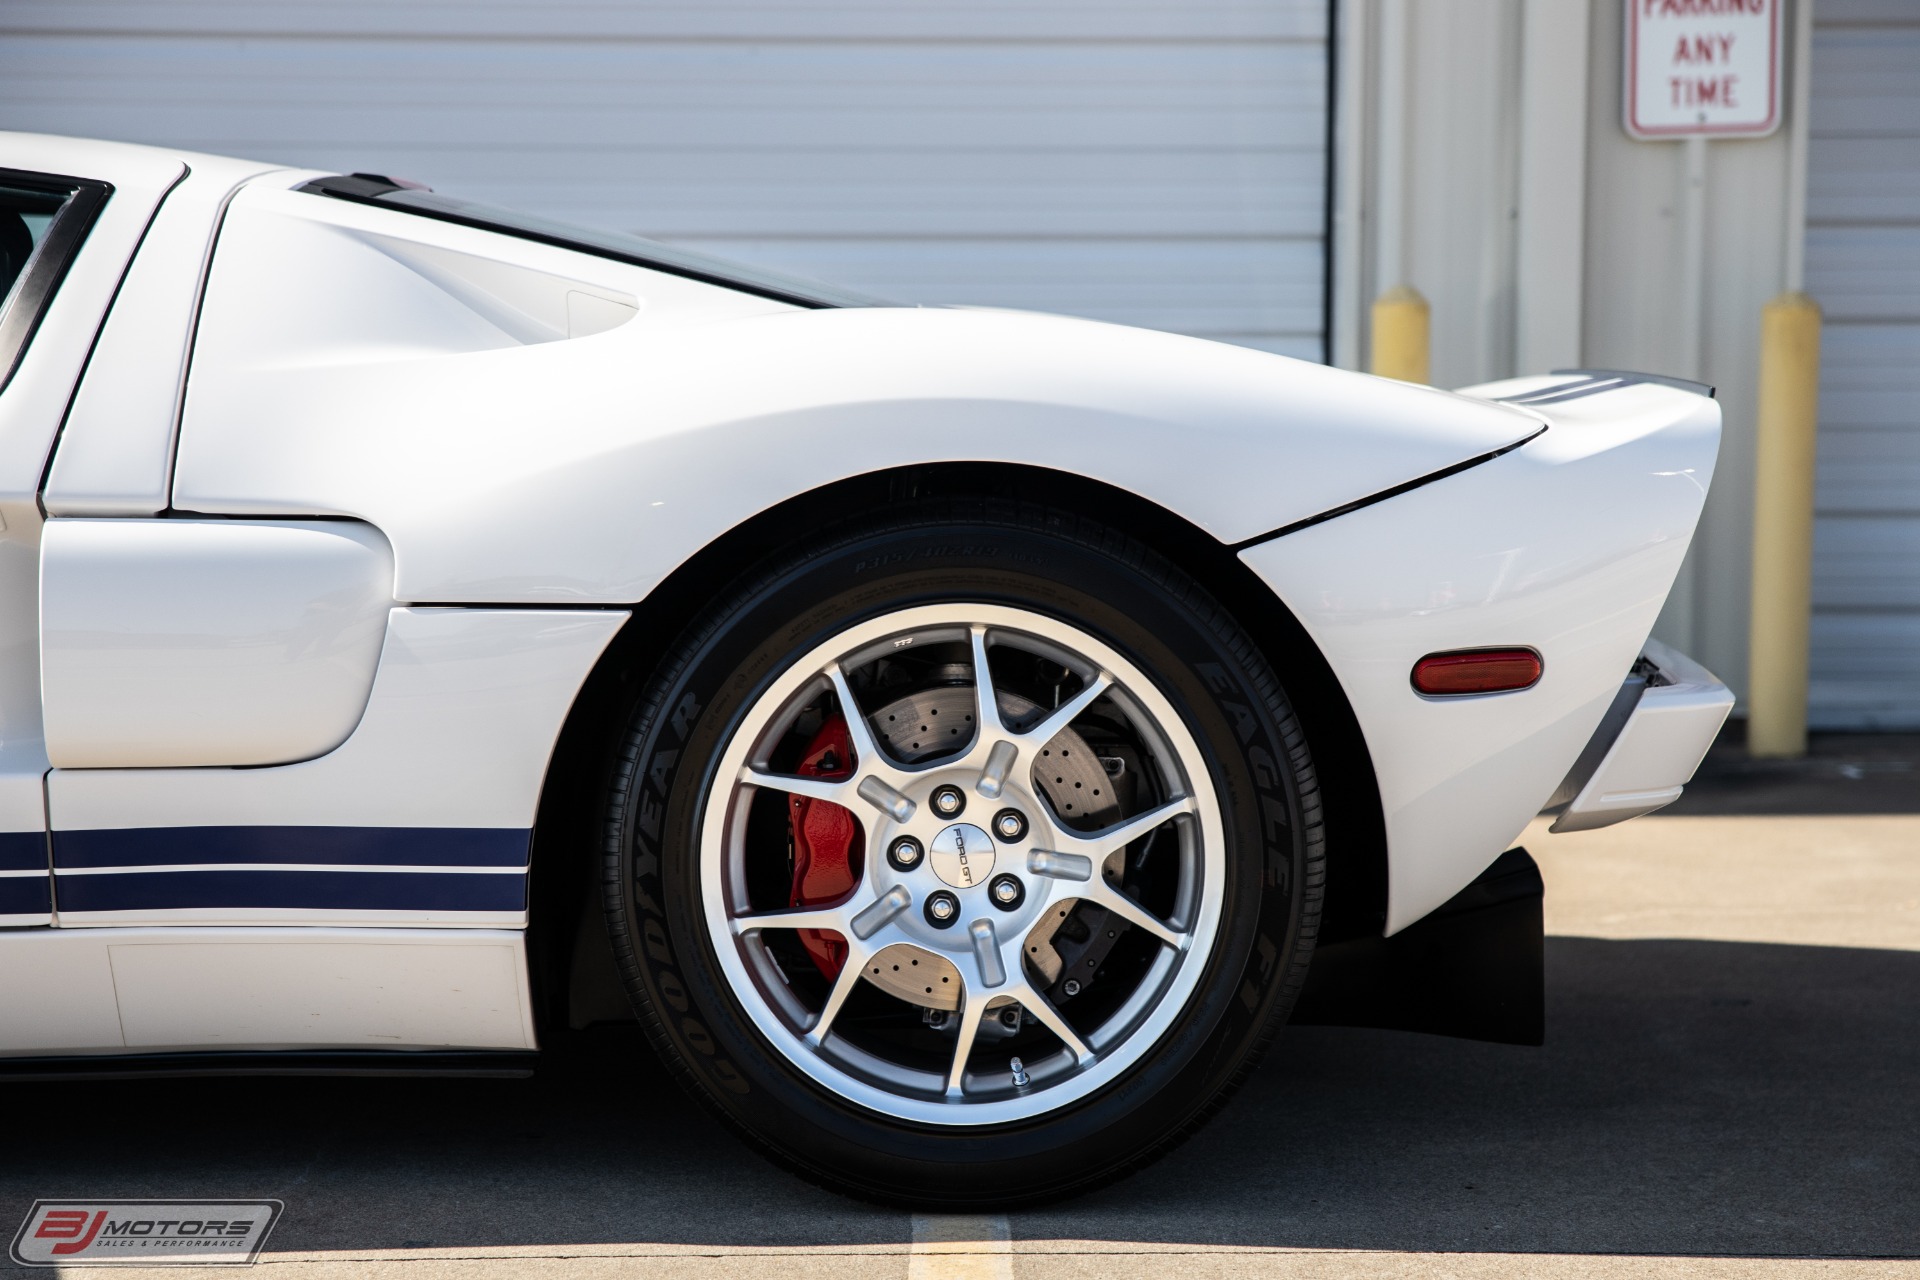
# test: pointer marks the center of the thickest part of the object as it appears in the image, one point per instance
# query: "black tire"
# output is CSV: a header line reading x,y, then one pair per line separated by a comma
x,y
1099,581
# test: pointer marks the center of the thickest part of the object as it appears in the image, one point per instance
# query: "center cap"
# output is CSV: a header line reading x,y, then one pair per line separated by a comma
x,y
962,855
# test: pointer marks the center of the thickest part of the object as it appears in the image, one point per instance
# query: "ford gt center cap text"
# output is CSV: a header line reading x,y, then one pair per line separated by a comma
x,y
962,855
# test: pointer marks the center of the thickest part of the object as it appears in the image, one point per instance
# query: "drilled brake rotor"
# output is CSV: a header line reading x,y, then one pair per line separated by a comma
x,y
1067,772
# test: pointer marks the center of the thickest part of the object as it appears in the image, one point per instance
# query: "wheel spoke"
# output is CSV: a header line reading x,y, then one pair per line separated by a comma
x,y
874,916
851,971
1060,866
1049,1017
884,798
833,791
973,1007
866,748
988,711
999,764
986,954
830,919
1101,844
1103,894
1069,711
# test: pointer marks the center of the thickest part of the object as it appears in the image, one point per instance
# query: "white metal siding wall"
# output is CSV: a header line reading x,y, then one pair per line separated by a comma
x,y
1155,162
1863,266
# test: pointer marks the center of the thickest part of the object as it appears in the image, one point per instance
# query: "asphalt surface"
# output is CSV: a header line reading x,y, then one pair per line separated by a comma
x,y
1731,1087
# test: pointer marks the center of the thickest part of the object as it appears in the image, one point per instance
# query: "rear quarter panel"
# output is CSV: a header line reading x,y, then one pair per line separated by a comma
x,y
1567,545
584,470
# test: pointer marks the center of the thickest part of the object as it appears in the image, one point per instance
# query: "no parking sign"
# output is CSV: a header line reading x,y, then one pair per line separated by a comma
x,y
1702,68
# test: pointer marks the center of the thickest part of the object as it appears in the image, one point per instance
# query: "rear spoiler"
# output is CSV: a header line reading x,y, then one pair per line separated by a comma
x,y
1575,384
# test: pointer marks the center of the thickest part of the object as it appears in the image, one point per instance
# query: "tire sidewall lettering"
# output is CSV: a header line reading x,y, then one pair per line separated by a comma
x,y
698,1036
654,786
673,991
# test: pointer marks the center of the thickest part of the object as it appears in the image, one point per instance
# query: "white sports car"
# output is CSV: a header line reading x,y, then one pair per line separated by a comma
x,y
964,737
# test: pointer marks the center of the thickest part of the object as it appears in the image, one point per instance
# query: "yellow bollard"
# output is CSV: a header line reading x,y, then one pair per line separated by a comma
x,y
1783,526
1400,330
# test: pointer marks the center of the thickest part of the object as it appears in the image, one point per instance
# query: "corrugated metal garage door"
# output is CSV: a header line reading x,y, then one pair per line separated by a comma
x,y
1863,265
1157,162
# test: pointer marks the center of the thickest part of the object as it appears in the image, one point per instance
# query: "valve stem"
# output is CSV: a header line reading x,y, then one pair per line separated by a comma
x,y
1020,1077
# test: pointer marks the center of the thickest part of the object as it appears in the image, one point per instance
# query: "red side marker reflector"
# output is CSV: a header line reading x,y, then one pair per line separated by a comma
x,y
1440,675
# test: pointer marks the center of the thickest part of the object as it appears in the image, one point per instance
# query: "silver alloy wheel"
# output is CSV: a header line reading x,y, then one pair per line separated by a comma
x,y
1055,864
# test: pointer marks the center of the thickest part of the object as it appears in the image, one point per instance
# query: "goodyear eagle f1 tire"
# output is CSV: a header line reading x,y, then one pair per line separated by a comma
x,y
969,858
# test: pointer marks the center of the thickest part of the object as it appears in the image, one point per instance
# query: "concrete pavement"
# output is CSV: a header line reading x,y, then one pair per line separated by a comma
x,y
1730,1088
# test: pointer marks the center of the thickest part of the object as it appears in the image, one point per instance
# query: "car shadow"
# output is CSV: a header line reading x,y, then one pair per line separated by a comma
x,y
1692,1098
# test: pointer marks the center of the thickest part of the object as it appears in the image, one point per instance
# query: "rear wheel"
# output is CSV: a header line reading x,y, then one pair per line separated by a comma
x,y
964,860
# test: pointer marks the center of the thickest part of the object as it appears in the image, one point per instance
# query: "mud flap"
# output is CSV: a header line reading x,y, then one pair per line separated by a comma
x,y
1474,968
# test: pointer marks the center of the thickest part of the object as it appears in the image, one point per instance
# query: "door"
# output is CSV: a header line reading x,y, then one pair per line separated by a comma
x,y
244,727
216,723
43,221
69,217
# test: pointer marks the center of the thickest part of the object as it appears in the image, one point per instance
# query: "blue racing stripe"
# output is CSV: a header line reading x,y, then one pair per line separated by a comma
x,y
329,846
314,890
23,851
25,896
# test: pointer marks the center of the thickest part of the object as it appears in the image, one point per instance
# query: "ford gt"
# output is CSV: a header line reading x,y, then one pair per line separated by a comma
x,y
961,738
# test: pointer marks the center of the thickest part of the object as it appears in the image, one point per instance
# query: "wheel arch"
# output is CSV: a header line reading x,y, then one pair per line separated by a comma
x,y
573,975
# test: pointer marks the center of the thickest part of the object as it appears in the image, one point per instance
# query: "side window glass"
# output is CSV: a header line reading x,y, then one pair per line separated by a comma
x,y
43,221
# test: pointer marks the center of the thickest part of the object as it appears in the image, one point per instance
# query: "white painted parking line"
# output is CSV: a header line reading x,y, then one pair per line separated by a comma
x,y
960,1246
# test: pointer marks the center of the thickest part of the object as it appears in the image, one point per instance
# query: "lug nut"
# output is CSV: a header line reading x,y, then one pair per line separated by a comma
x,y
1010,1019
1009,824
948,801
1007,892
905,853
942,909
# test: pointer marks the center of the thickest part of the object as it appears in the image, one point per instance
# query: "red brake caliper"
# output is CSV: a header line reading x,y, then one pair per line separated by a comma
x,y
823,835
